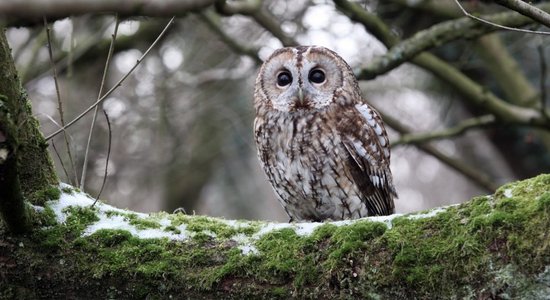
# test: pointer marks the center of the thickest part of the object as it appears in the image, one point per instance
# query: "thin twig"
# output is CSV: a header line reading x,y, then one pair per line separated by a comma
x,y
107,64
466,13
108,156
59,102
60,161
118,84
462,127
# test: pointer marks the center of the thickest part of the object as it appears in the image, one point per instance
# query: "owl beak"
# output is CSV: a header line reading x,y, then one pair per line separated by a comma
x,y
300,96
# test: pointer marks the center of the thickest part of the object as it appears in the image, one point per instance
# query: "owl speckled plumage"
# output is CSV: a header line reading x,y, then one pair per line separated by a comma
x,y
324,150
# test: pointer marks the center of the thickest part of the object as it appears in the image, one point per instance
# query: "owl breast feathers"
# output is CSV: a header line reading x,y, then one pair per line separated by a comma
x,y
324,150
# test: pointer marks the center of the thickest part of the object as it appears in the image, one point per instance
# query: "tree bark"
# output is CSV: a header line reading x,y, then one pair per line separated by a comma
x,y
25,166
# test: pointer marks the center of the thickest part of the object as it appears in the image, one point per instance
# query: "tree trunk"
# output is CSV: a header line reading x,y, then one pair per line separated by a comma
x,y
25,166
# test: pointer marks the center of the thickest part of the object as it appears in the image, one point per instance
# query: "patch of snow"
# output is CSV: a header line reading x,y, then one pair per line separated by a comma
x,y
249,249
429,214
508,193
120,221
306,229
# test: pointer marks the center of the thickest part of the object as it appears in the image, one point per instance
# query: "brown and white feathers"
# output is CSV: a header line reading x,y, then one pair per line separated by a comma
x,y
324,150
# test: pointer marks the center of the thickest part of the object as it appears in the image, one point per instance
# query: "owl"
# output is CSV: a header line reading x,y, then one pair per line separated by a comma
x,y
324,150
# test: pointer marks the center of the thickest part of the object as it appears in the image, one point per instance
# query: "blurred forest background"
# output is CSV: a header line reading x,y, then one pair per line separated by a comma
x,y
181,123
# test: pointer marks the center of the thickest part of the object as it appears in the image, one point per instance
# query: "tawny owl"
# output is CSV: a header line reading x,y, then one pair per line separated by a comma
x,y
324,150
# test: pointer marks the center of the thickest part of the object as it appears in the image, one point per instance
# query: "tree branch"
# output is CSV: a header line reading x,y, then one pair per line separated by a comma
x,y
535,13
488,22
506,71
436,35
213,22
254,9
32,10
462,127
96,47
477,176
470,90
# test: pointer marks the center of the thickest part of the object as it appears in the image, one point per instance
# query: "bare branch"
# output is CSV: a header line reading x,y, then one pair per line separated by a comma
x,y
103,78
118,84
482,20
32,10
213,22
470,90
527,10
462,127
477,176
437,35
59,102
60,160
262,17
107,158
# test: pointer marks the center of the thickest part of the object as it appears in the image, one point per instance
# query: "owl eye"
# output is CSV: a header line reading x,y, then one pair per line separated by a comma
x,y
316,76
284,78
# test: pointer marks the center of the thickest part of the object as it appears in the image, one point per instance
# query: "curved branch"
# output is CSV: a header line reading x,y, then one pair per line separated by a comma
x,y
439,34
488,22
254,9
462,127
477,176
213,22
470,90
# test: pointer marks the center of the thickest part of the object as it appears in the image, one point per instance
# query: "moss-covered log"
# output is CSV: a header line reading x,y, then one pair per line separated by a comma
x,y
490,247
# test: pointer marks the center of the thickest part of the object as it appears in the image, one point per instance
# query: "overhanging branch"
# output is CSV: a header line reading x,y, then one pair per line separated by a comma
x,y
470,90
31,10
440,34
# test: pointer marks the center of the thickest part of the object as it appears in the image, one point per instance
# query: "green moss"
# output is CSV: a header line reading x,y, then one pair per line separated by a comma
x,y
173,229
49,193
80,217
45,218
201,224
544,202
68,190
490,244
135,220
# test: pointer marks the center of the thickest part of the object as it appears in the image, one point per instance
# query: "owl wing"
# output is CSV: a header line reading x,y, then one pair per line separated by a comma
x,y
368,160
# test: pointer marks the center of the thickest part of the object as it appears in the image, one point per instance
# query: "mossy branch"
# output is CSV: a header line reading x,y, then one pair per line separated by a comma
x,y
436,35
464,251
470,90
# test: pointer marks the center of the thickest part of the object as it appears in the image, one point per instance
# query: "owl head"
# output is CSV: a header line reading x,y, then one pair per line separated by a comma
x,y
304,78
